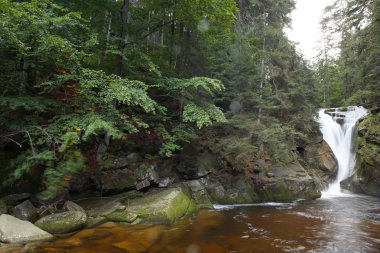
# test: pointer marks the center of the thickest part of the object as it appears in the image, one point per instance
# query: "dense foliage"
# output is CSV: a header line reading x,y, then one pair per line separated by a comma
x,y
351,27
71,81
81,80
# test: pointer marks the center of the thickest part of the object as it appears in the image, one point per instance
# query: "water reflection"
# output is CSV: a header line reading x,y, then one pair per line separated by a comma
x,y
332,224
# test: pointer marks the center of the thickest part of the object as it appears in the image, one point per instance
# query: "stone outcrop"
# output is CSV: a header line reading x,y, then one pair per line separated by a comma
x,y
320,162
62,222
13,230
366,176
25,211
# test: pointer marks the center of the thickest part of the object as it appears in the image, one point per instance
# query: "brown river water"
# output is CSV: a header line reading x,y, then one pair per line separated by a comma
x,y
348,223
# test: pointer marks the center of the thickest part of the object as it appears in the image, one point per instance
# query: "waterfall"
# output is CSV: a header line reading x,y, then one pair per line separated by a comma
x,y
337,126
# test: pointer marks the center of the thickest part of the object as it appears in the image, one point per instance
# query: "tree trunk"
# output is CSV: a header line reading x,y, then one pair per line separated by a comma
x,y
107,32
124,12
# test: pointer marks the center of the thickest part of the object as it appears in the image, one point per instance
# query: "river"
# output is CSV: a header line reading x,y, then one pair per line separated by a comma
x,y
345,223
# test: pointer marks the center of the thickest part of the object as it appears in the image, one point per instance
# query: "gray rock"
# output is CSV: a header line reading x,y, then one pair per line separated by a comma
x,y
3,207
147,172
143,184
103,209
122,216
14,199
165,182
25,211
71,206
62,222
13,230
199,193
162,206
117,181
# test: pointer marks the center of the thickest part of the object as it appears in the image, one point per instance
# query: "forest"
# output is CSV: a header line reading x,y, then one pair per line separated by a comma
x,y
82,81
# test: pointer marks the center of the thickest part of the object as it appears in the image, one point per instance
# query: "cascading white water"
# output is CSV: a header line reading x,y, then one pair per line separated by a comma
x,y
339,137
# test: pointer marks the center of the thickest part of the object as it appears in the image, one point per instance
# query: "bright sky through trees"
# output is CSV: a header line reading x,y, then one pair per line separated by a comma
x,y
305,25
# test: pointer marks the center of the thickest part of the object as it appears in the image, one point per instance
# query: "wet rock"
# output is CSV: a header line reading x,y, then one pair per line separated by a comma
x,y
162,206
13,230
199,193
71,206
62,222
122,216
117,181
3,207
270,175
104,208
320,162
366,176
237,190
290,182
25,211
14,199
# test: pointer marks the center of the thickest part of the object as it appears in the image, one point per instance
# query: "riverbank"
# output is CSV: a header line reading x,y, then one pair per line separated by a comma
x,y
324,225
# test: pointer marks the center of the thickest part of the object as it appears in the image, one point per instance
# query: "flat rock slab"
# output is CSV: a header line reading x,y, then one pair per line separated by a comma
x,y
13,230
163,206
62,222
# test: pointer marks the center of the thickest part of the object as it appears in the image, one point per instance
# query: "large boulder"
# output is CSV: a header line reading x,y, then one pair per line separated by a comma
x,y
233,190
14,199
71,206
366,176
13,230
162,206
286,183
25,211
320,162
62,222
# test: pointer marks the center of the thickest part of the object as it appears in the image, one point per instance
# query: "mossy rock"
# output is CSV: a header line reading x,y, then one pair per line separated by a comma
x,y
162,206
122,216
366,177
62,222
289,182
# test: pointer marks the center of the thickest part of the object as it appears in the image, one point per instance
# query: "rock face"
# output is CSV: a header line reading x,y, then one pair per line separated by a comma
x,y
25,211
289,182
62,222
319,160
117,181
366,177
13,230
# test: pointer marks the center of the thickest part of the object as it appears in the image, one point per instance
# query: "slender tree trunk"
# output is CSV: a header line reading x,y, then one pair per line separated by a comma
x,y
124,13
262,69
107,32
327,79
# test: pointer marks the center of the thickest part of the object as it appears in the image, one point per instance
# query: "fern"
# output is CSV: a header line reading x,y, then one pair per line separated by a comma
x,y
202,116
